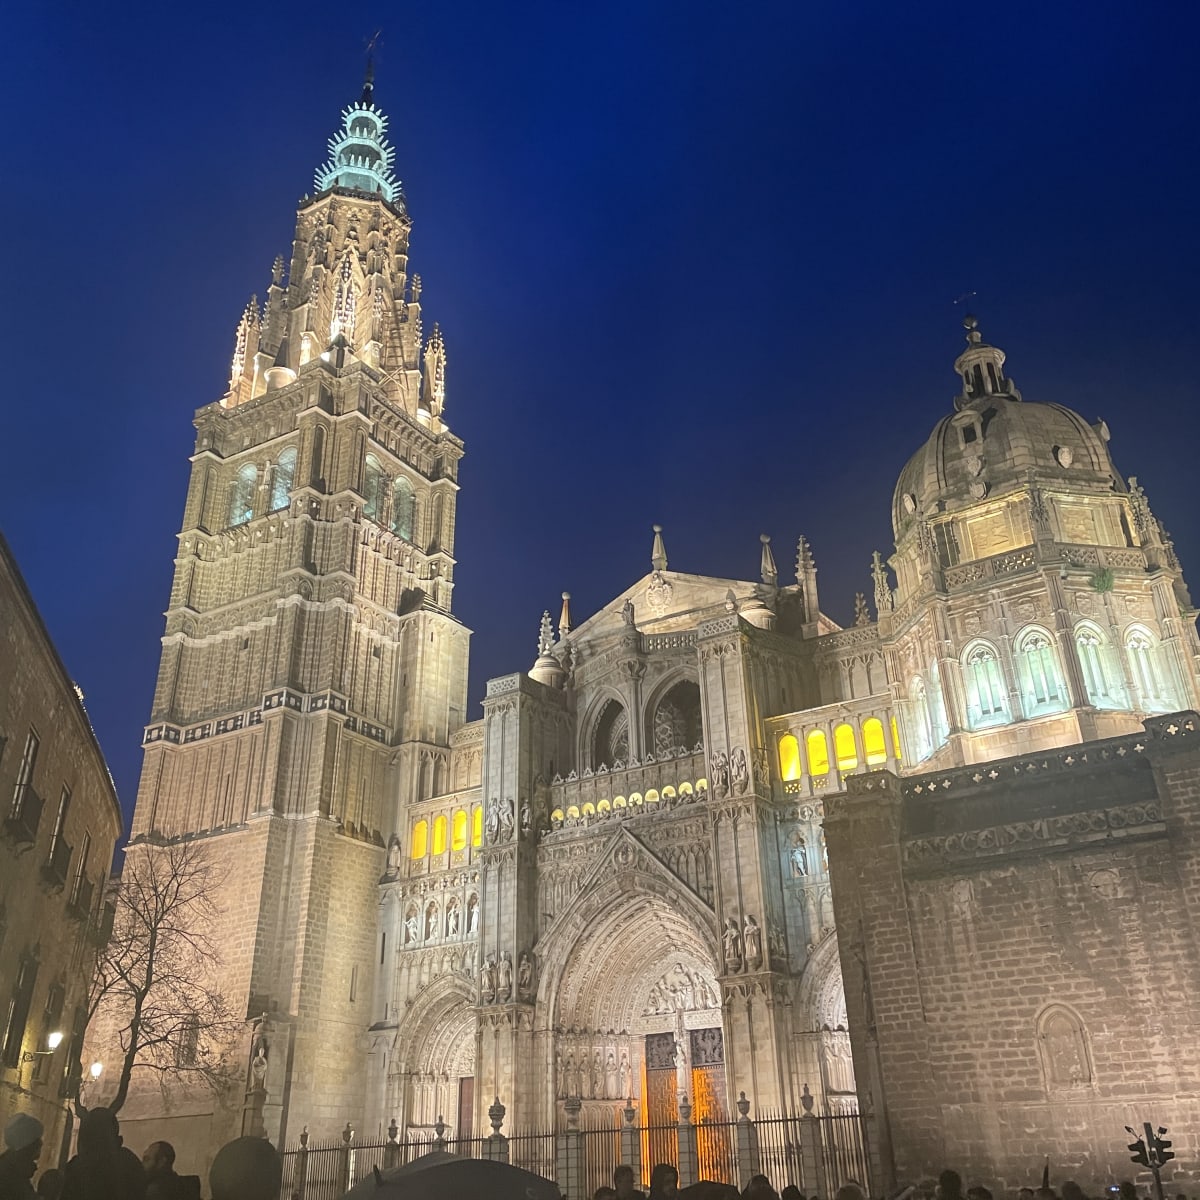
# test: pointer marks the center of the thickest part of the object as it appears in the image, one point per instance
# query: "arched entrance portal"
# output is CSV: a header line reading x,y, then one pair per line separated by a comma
x,y
435,1076
636,1015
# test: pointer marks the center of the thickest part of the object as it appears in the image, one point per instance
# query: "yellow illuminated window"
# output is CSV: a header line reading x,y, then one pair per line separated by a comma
x,y
439,835
844,748
818,753
789,757
589,809
635,798
477,827
420,839
572,812
685,789
668,792
896,738
458,831
619,802
652,796
874,747
603,806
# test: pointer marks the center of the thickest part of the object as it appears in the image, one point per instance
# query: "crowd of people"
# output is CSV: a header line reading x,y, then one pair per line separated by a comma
x,y
103,1168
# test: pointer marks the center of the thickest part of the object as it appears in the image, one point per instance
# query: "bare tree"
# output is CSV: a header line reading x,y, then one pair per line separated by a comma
x,y
157,983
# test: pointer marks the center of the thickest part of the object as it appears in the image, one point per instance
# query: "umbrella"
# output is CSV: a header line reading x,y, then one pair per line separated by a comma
x,y
707,1190
451,1178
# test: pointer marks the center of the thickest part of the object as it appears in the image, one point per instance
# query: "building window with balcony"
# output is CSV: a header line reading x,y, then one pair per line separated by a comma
x,y
59,860
25,813
1040,675
986,704
1101,672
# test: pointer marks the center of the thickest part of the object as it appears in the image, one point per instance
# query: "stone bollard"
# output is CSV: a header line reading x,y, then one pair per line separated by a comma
x,y
391,1152
497,1143
812,1157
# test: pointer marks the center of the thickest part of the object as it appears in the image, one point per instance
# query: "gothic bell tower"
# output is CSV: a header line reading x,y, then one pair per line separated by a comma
x,y
312,672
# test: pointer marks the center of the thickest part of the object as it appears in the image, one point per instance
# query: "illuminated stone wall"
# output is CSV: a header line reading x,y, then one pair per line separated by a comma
x,y
1021,952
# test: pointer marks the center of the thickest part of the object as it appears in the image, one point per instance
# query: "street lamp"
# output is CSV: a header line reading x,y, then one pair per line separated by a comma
x,y
53,1042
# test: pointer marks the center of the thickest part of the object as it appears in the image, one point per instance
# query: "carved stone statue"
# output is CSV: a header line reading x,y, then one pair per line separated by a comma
x,y
431,916
731,939
626,1075
526,820
492,825
411,929
799,857
753,939
504,977
612,1082
525,974
739,771
720,774
259,1055
560,1074
452,920
473,915
597,1080
507,817
393,855
627,613
487,980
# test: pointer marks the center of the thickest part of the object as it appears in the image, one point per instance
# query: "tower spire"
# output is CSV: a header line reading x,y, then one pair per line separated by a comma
x,y
658,552
981,368
360,157
367,97
770,573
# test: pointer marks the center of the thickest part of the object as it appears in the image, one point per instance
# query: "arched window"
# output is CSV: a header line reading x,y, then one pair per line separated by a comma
x,y
1063,1048
789,757
477,827
922,720
677,723
458,831
817,749
1101,675
652,796
985,687
611,741
420,839
282,479
404,508
439,835
373,486
241,505
844,748
874,745
318,458
1150,676
1042,686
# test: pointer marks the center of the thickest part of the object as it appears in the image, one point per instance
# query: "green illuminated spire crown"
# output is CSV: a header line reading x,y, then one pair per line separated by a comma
x,y
360,157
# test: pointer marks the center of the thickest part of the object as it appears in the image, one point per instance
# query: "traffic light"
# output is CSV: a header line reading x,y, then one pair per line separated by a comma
x,y
1161,1147
1137,1149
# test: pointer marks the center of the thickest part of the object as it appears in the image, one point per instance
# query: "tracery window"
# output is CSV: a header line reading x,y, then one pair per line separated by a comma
x,y
439,835
1040,675
404,508
874,745
282,479
818,752
789,758
611,742
844,748
1101,674
458,831
986,703
677,722
1063,1048
420,839
374,483
241,504
1150,676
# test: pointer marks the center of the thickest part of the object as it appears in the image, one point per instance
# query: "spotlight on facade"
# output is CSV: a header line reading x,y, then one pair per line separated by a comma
x,y
96,1069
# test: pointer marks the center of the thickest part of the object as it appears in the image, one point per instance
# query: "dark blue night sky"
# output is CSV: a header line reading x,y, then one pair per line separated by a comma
x,y
695,264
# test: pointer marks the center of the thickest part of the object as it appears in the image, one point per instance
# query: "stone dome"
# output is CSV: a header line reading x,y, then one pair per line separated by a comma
x,y
996,442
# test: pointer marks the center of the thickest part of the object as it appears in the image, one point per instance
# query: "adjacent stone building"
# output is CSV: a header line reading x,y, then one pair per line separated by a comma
x,y
60,827
614,887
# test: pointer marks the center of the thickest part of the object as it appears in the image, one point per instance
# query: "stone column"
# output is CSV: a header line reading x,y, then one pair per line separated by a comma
x,y
812,1155
631,1142
569,1153
748,1161
689,1153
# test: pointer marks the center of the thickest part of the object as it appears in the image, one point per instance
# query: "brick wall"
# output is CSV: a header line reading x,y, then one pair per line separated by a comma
x,y
1021,957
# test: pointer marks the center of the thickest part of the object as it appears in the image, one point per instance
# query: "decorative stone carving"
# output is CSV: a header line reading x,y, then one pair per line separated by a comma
x,y
658,594
526,977
487,980
798,856
394,856
720,774
739,771
731,941
752,937
504,977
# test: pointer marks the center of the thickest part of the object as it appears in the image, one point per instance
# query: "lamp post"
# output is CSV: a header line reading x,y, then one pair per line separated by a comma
x,y
53,1041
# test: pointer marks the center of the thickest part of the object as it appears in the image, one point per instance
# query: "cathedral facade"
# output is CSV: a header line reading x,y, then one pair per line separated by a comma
x,y
613,887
